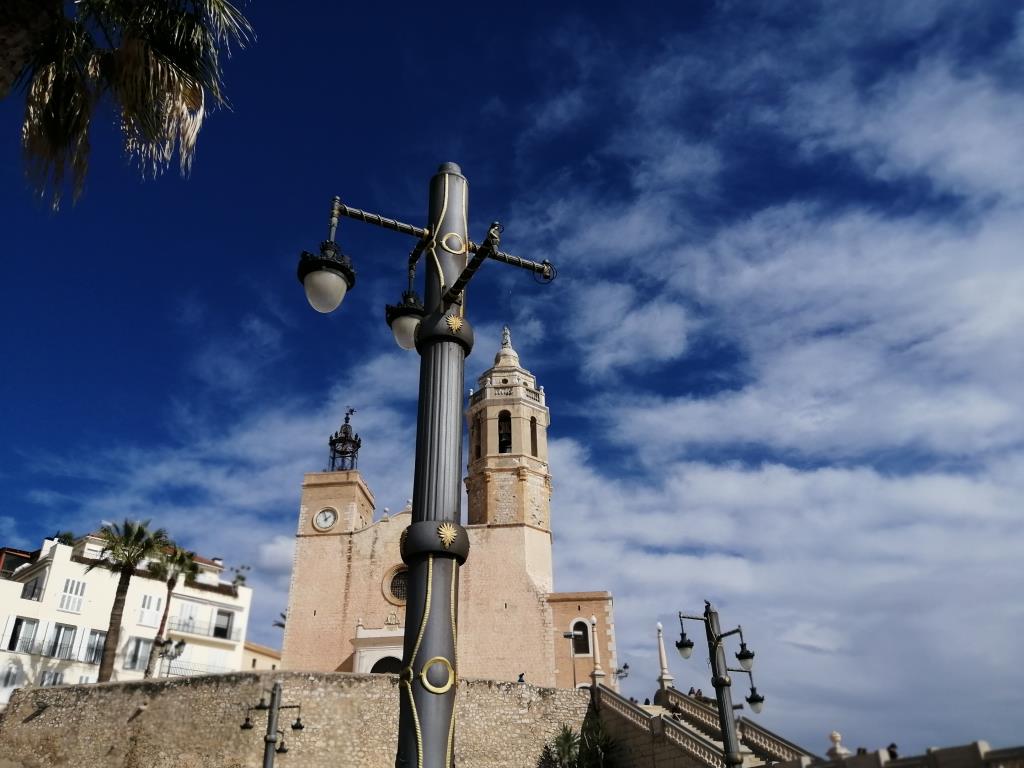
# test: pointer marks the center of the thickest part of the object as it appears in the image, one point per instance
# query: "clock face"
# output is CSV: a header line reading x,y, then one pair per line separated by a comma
x,y
325,519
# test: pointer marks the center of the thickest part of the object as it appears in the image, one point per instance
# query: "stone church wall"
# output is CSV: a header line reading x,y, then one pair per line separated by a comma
x,y
351,720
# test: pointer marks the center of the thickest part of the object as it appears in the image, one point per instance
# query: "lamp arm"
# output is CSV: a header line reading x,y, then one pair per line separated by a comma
x,y
701,619
738,631
414,257
382,221
545,268
746,672
335,215
489,248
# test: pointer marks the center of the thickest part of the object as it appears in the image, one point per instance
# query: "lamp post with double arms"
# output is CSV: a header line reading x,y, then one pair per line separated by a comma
x,y
720,676
435,544
271,744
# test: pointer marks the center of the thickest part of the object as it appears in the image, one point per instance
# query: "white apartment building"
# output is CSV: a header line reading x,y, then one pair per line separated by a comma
x,y
54,615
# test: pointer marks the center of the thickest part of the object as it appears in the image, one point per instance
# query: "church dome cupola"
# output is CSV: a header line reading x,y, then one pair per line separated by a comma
x,y
507,357
345,444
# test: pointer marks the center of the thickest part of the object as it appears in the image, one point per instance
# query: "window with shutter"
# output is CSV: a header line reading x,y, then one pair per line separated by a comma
x,y
71,597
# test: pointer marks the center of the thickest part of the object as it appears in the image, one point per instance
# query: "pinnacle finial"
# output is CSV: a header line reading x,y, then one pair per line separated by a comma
x,y
506,337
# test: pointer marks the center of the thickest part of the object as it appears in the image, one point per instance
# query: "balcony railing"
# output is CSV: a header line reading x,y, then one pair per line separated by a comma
x,y
204,629
63,651
179,668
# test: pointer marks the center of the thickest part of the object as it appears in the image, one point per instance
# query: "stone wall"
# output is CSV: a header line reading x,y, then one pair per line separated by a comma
x,y
351,720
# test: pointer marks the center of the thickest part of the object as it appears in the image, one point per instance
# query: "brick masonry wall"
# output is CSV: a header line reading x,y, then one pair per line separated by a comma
x,y
351,720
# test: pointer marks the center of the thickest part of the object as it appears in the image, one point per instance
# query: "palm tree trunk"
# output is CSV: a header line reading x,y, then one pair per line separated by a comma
x,y
113,638
159,639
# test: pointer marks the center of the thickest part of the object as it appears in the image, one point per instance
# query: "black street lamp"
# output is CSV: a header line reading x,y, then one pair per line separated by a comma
x,y
720,676
571,637
435,544
169,650
273,732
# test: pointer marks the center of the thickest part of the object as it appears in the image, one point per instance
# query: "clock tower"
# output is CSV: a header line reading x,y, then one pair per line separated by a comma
x,y
334,504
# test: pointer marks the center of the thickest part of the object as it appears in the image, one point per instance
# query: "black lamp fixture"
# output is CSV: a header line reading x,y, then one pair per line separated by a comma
x,y
684,645
745,657
404,318
329,276
273,741
755,700
720,676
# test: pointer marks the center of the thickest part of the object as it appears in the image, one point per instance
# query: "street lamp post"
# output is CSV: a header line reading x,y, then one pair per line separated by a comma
x,y
435,544
169,651
571,637
271,745
720,676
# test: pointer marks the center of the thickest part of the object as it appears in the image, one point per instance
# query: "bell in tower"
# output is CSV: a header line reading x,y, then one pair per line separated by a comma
x,y
345,446
508,479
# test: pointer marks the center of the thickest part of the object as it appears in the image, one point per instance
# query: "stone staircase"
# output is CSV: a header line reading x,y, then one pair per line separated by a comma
x,y
768,747
650,735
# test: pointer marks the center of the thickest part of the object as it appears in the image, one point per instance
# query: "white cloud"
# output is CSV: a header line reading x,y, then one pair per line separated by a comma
x,y
617,329
850,584
960,131
878,334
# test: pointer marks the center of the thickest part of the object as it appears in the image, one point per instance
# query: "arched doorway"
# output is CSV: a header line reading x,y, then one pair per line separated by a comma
x,y
389,665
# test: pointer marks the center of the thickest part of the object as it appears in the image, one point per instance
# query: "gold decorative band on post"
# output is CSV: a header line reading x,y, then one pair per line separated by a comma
x,y
458,249
447,684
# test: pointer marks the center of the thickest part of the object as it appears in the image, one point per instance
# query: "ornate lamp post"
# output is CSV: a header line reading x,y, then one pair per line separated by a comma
x,y
169,651
435,544
720,676
271,738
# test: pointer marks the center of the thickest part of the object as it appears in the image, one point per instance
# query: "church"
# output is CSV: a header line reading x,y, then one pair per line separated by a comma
x,y
346,606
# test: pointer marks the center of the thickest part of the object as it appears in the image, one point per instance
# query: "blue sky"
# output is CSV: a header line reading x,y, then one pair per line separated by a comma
x,y
782,355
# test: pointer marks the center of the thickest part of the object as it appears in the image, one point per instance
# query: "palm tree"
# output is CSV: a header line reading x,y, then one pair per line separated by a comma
x,y
124,549
566,746
172,564
159,61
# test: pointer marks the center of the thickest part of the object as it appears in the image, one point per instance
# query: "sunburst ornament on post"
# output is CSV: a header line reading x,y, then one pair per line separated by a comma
x,y
447,533
454,323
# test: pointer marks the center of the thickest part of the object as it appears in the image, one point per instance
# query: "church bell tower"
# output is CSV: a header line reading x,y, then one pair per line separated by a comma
x,y
508,479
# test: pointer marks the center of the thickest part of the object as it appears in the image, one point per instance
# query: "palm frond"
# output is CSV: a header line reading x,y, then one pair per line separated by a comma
x,y
159,60
126,546
58,111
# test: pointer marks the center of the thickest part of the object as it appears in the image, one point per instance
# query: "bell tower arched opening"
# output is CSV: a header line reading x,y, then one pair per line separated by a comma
x,y
505,432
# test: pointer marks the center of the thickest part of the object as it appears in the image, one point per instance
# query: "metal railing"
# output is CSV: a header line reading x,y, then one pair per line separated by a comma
x,y
205,629
177,668
703,750
758,739
64,651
